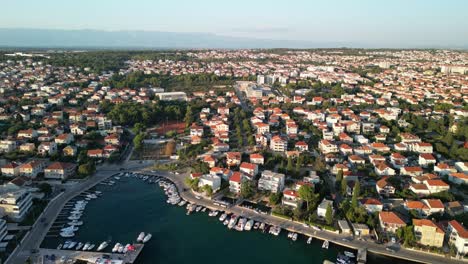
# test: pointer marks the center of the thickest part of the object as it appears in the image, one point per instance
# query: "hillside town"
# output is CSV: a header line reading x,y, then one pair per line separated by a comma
x,y
370,144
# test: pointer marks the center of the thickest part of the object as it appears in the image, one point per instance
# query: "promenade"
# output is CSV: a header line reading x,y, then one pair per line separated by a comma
x,y
402,253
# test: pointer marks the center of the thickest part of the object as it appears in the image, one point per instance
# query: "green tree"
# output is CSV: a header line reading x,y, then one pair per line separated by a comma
x,y
247,189
275,198
138,141
356,193
306,193
344,187
339,176
208,190
290,167
45,188
188,116
329,215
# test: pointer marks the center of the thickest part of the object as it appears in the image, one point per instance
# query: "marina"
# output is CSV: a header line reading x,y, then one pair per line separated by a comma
x,y
162,213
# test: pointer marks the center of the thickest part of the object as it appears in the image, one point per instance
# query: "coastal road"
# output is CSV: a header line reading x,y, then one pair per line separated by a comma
x,y
39,230
402,253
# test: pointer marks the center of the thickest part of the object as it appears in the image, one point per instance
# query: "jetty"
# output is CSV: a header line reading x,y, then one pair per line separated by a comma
x,y
92,256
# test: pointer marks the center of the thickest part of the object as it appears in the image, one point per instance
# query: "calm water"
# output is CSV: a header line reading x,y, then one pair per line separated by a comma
x,y
132,206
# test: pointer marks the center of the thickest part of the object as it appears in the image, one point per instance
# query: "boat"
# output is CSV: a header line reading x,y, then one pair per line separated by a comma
x,y
275,230
75,223
262,226
72,244
59,246
226,222
91,247
349,254
256,225
69,228
223,217
232,222
182,203
147,238
294,237
249,225
241,224
325,244
86,246
74,217
67,234
126,248
141,236
102,246
198,208
79,246
309,240
116,247
66,244
120,249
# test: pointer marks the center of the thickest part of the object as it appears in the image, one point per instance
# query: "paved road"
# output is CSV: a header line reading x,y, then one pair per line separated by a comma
x,y
298,227
38,231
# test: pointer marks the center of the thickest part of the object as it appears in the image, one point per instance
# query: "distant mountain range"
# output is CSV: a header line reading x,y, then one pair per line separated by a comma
x,y
55,38
100,39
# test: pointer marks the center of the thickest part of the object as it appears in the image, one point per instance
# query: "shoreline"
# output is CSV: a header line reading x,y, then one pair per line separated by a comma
x,y
189,196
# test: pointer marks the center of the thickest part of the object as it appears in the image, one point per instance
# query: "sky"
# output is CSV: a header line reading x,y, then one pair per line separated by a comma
x,y
377,23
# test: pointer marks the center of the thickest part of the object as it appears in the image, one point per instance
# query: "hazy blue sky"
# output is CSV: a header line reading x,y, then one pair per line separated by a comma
x,y
372,22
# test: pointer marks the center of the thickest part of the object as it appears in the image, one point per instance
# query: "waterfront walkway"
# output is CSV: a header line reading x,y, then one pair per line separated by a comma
x,y
402,253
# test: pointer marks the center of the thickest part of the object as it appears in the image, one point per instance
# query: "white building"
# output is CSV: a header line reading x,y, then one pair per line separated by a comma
x,y
322,208
458,236
271,181
15,202
172,96
213,181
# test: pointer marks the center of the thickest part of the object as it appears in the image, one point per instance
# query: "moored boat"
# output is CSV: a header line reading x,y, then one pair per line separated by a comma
x,y
147,238
140,237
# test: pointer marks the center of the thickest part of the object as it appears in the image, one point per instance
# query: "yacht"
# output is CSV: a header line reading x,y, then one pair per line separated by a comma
x,y
102,246
147,238
86,246
232,222
325,244
249,225
241,224
116,247
79,246
67,234
141,236
223,217
309,240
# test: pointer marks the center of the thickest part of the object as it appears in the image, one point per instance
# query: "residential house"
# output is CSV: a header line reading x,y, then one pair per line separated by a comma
x,y
271,181
290,198
458,236
59,170
256,158
390,222
322,208
32,169
249,168
428,233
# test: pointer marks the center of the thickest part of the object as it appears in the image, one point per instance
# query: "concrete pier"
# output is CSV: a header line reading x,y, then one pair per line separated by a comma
x,y
90,256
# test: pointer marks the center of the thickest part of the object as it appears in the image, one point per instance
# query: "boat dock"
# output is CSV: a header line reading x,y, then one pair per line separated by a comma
x,y
90,256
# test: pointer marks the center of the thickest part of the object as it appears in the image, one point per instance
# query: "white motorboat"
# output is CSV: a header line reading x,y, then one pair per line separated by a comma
x,y
67,234
325,244
223,217
147,238
256,225
349,254
182,203
249,225
309,240
79,246
232,222
75,223
91,247
74,217
66,244
69,228
198,209
72,244
116,247
241,224
262,226
59,246
125,250
102,246
120,249
294,237
86,246
226,222
141,236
